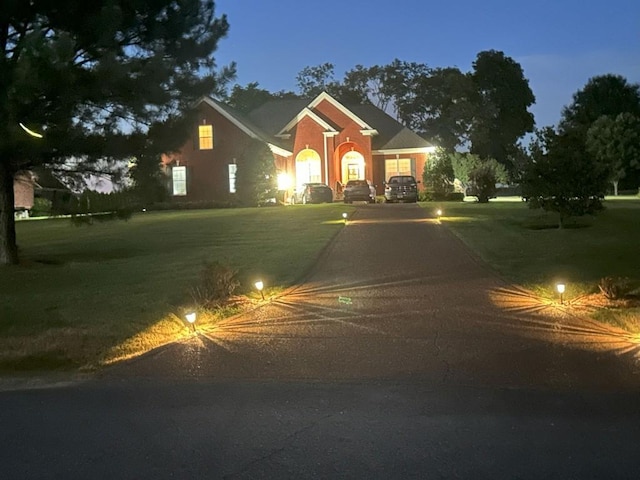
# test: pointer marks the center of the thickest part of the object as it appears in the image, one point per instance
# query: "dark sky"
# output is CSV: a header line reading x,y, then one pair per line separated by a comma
x,y
560,44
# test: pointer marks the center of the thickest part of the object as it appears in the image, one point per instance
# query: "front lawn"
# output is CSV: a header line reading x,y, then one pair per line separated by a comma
x,y
524,246
88,295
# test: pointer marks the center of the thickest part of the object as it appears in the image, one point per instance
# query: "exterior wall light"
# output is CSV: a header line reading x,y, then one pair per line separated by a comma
x,y
191,318
260,286
560,287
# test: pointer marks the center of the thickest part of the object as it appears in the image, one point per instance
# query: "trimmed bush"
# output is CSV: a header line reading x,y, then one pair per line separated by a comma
x,y
614,288
217,284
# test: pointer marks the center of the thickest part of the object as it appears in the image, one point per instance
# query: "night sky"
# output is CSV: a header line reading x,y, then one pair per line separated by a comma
x,y
559,44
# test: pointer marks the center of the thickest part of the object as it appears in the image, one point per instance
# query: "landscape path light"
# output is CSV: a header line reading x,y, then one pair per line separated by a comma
x,y
560,287
260,286
191,318
439,213
344,216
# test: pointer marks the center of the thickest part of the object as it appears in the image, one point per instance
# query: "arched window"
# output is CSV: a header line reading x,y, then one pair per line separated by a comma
x,y
308,167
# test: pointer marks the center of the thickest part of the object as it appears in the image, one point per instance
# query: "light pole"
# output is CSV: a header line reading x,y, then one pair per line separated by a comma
x,y
260,286
560,287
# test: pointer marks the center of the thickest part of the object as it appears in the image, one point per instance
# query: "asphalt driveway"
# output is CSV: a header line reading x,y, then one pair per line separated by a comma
x,y
397,296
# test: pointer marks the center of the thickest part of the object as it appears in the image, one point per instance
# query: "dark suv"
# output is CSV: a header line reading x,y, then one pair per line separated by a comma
x,y
401,188
359,190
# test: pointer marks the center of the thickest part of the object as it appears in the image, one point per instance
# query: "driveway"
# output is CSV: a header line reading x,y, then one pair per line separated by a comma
x,y
397,296
400,356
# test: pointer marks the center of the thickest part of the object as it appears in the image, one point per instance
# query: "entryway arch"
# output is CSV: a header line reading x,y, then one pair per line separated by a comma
x,y
352,166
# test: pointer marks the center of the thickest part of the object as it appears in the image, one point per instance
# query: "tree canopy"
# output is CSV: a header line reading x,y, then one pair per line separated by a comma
x,y
560,177
99,81
501,100
615,141
608,95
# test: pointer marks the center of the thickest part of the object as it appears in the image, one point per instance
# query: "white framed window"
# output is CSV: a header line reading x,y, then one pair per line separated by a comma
x,y
179,180
205,137
398,166
233,168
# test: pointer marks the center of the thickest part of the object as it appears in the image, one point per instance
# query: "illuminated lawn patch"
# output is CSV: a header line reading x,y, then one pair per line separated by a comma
x,y
88,295
517,243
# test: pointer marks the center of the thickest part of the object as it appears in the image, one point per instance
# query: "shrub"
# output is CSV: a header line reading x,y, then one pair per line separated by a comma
x,y
614,288
41,207
216,284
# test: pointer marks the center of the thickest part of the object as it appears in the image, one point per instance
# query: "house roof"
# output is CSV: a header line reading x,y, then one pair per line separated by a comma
x,y
392,135
276,117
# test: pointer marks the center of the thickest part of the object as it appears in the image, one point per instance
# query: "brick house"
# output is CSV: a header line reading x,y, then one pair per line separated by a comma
x,y
319,140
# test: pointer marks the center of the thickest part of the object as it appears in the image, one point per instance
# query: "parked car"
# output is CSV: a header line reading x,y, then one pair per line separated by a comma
x,y
359,190
401,188
313,193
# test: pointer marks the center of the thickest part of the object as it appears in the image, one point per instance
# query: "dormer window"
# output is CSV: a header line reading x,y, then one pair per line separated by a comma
x,y
205,137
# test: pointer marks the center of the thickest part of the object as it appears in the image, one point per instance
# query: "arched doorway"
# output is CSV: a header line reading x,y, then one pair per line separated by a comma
x,y
308,167
352,166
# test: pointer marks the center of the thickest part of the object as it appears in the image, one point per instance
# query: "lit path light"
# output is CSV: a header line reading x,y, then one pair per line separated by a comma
x,y
560,287
260,287
30,132
191,318
345,215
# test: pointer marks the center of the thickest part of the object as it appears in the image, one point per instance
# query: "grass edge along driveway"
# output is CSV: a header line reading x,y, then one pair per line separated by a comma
x,y
525,247
85,296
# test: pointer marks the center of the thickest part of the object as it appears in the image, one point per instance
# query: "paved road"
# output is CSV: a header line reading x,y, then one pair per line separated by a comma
x,y
401,356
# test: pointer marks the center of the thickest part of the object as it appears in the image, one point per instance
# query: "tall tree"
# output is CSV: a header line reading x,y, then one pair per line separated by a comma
x,y
246,99
91,77
387,86
441,107
502,99
312,81
608,95
615,141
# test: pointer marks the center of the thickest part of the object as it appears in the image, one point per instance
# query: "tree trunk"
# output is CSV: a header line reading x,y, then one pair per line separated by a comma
x,y
615,187
8,246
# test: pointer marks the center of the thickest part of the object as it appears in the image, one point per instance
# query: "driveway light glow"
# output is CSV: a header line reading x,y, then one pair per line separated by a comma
x,y
259,286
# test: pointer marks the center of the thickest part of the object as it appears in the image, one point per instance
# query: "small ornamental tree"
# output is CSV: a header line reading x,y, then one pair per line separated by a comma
x,y
615,141
256,181
437,176
562,177
477,177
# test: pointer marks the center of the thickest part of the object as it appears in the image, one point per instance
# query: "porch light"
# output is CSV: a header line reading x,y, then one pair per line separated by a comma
x,y
191,318
260,286
284,181
560,287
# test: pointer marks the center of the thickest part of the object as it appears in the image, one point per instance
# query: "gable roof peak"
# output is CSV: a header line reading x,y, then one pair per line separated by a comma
x,y
324,96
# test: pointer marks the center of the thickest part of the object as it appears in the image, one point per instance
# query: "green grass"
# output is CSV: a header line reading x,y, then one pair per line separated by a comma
x,y
526,247
88,295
